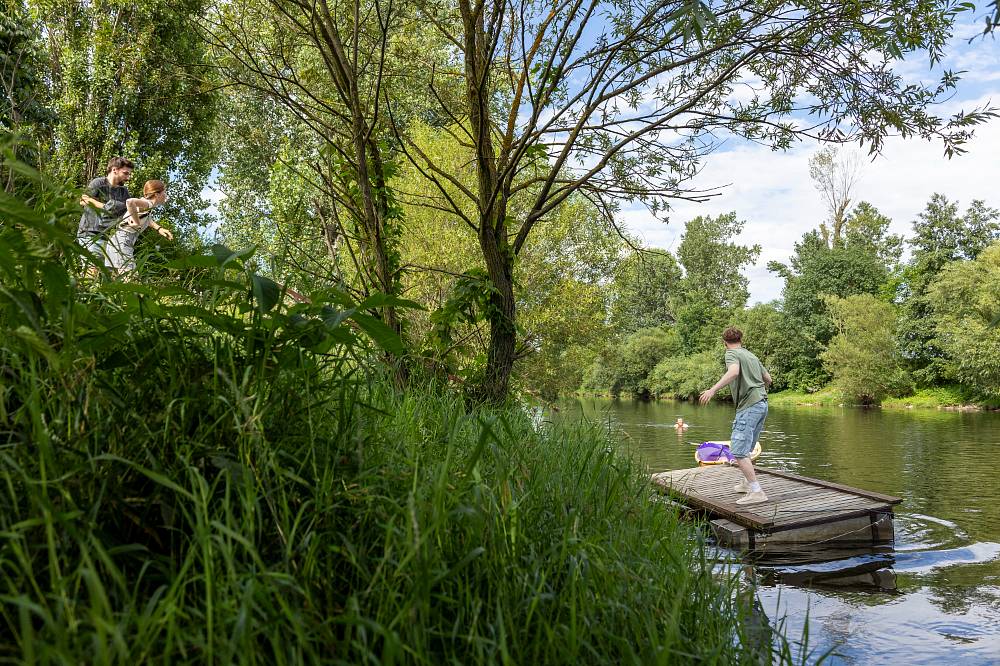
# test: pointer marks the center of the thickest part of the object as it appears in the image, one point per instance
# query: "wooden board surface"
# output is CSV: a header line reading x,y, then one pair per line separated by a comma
x,y
793,501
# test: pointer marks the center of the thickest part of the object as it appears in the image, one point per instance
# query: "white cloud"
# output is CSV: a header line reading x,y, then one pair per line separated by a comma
x,y
772,191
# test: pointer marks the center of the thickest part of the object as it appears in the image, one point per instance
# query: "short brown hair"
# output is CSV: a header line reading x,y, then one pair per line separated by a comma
x,y
153,187
732,334
118,163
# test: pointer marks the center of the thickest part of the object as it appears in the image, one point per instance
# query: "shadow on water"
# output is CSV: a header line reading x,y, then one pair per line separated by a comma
x,y
855,569
865,568
866,576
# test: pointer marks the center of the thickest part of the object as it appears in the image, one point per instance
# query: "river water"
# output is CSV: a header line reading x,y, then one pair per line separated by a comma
x,y
931,598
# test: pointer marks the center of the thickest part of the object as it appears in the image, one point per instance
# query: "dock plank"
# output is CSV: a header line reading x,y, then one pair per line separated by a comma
x,y
793,500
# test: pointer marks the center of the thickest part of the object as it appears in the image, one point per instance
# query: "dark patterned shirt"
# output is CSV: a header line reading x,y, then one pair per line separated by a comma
x,y
113,197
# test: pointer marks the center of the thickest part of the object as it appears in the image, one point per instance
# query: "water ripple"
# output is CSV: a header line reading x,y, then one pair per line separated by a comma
x,y
915,532
923,561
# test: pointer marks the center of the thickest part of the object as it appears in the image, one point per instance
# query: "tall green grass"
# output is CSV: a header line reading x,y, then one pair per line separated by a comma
x,y
196,471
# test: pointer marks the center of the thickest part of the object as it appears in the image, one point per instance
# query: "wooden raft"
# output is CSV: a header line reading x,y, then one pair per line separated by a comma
x,y
799,509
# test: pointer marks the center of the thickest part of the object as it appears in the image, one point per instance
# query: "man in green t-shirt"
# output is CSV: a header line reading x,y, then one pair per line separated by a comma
x,y
749,381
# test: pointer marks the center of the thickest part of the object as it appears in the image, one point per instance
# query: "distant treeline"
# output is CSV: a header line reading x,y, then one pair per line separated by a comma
x,y
853,316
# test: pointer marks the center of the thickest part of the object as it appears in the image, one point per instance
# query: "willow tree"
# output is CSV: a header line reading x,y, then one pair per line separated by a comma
x,y
620,100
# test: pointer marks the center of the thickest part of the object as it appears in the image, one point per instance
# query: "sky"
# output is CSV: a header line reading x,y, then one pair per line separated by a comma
x,y
773,193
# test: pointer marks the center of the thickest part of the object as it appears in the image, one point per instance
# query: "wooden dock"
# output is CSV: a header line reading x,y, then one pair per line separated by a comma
x,y
799,509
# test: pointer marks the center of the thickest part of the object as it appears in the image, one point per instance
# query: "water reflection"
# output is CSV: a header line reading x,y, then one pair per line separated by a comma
x,y
934,596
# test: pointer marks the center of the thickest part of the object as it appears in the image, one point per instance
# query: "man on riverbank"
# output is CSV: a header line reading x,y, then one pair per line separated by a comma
x,y
749,381
103,206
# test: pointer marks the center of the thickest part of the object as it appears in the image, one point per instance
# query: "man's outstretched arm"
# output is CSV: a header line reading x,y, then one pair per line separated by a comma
x,y
732,372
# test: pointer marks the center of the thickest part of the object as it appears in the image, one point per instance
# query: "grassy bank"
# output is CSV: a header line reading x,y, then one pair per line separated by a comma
x,y
825,397
197,472
404,531
944,397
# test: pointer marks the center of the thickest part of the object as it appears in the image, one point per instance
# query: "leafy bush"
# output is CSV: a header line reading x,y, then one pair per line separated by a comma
x,y
863,357
685,377
965,298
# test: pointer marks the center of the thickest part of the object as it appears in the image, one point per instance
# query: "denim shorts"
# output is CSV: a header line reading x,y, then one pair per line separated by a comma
x,y
95,244
747,427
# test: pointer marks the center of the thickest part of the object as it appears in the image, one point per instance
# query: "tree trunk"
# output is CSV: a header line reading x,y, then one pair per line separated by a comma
x,y
502,317
497,251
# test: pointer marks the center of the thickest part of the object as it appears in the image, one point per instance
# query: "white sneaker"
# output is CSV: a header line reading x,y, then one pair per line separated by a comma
x,y
753,498
742,487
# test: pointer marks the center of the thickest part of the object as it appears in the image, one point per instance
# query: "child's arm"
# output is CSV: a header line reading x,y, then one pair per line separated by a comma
x,y
163,231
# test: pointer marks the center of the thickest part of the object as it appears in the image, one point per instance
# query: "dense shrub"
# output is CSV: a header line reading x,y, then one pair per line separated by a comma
x,y
685,377
863,356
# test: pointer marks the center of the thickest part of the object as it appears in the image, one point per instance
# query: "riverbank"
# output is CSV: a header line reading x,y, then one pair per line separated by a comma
x,y
946,397
404,529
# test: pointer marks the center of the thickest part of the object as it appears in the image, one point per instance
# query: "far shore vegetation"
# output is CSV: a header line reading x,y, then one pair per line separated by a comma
x,y
942,397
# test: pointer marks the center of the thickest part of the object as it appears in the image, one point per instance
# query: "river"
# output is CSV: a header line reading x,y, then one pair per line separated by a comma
x,y
934,596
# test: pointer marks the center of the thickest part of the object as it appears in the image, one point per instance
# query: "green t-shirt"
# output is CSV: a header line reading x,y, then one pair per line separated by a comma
x,y
748,387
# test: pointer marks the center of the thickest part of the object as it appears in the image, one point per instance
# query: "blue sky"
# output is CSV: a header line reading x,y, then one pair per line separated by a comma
x,y
773,193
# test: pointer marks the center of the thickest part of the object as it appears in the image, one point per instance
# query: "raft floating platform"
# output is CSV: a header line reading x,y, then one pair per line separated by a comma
x,y
799,510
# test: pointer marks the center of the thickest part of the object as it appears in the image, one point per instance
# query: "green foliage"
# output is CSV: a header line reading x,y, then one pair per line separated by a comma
x,y
562,277
766,332
868,230
22,108
602,376
863,358
941,236
685,377
198,472
854,266
270,201
714,286
964,299
606,101
645,288
640,353
699,304
469,302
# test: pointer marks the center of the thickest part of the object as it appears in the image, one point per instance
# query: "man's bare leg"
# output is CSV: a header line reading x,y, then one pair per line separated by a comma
x,y
747,468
